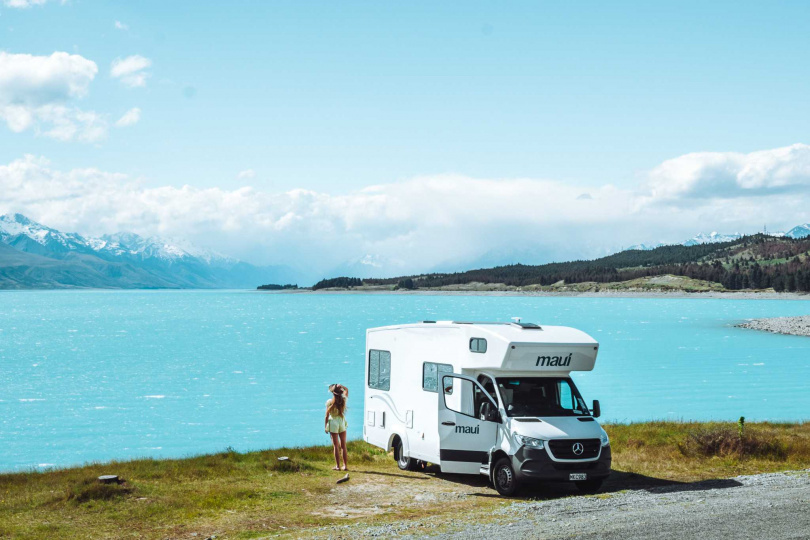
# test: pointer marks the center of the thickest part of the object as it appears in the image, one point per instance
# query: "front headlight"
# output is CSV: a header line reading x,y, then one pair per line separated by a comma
x,y
530,442
604,438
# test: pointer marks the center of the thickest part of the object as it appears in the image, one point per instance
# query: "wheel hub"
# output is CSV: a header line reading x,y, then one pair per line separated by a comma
x,y
504,477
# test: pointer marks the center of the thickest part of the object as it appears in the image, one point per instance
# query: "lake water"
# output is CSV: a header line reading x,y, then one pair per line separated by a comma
x,y
95,375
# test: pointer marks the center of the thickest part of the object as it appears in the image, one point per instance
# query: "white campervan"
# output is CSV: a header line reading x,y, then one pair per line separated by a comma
x,y
485,398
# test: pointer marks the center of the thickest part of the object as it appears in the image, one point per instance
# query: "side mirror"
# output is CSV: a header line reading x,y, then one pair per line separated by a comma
x,y
489,413
597,410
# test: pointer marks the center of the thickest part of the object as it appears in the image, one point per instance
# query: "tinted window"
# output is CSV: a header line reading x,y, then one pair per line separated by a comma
x,y
379,369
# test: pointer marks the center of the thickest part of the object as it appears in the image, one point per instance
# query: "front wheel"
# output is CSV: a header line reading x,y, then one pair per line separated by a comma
x,y
403,462
589,486
503,476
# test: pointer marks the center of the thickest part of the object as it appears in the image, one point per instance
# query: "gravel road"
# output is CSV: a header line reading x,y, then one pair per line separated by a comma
x,y
765,506
772,506
795,326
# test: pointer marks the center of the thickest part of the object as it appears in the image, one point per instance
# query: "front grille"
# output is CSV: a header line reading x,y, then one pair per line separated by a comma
x,y
564,449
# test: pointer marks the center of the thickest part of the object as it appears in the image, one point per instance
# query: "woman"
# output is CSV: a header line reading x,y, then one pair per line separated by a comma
x,y
335,423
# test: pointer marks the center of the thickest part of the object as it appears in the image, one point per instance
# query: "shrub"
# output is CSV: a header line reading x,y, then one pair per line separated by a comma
x,y
290,466
726,442
93,490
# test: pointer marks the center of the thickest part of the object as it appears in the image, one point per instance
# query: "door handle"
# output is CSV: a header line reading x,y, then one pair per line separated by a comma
x,y
448,423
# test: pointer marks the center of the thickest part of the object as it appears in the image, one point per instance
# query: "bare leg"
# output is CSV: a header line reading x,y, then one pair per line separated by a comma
x,y
345,452
336,448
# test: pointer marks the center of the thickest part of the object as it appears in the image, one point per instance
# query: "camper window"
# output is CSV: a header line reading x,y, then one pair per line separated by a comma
x,y
478,345
379,369
430,375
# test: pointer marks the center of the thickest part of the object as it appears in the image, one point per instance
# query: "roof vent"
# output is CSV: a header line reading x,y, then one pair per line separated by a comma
x,y
527,325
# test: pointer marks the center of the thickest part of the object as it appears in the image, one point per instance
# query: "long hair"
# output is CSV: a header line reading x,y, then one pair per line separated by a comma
x,y
338,405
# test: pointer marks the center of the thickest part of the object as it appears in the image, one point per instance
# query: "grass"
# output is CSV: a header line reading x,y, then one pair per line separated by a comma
x,y
251,495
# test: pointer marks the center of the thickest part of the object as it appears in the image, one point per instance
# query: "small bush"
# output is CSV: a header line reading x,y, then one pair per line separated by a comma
x,y
93,490
290,466
726,442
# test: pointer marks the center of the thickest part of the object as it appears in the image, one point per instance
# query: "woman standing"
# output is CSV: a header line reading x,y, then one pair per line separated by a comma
x,y
335,423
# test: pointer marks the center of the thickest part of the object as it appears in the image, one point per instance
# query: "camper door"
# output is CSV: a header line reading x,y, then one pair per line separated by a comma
x,y
465,437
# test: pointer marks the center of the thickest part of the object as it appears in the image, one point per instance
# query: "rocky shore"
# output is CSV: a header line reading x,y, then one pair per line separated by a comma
x,y
794,326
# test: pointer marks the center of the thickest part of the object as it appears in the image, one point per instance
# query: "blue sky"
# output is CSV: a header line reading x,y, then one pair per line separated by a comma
x,y
334,97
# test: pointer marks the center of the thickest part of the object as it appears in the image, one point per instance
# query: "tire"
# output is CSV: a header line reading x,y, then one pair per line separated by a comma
x,y
403,462
504,478
589,486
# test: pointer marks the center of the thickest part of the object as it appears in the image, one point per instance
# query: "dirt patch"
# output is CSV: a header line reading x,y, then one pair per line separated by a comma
x,y
373,494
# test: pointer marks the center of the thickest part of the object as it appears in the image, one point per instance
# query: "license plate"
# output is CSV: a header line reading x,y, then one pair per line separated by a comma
x,y
577,476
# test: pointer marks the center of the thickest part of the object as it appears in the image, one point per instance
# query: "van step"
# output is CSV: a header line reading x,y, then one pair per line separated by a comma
x,y
485,469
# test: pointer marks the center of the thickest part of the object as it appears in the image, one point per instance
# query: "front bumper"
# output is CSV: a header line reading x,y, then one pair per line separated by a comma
x,y
535,464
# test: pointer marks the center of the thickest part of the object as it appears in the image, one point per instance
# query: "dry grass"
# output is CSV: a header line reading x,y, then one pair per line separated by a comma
x,y
688,451
253,495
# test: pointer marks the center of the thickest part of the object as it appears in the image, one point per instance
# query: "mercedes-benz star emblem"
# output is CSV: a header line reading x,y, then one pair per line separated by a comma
x,y
578,448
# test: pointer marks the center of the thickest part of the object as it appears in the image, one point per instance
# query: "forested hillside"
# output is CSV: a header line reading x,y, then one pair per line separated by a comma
x,y
751,262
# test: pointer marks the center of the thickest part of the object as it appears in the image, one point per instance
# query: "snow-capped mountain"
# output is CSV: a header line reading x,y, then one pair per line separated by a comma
x,y
646,247
119,260
19,231
27,235
132,245
711,238
800,231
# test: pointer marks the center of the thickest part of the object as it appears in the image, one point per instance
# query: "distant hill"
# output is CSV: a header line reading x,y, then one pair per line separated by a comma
x,y
33,255
748,262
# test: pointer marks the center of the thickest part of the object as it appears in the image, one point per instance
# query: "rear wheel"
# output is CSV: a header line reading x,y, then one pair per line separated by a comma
x,y
403,462
589,486
503,476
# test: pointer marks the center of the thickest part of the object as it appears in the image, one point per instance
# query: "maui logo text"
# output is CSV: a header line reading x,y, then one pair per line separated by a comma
x,y
553,361
467,429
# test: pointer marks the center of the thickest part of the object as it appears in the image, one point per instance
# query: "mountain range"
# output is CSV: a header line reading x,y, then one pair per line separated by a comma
x,y
33,255
800,231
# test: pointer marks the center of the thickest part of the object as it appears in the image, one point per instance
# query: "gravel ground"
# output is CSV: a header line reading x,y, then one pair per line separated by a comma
x,y
766,506
794,326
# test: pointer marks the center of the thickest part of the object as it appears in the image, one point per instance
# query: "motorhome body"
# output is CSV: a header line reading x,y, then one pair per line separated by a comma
x,y
485,398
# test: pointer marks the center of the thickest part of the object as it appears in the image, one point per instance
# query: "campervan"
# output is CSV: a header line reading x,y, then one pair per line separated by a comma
x,y
495,399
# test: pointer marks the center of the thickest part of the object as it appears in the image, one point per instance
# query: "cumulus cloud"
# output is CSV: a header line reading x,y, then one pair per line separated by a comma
x,y
36,91
130,118
247,174
121,26
731,174
131,70
427,222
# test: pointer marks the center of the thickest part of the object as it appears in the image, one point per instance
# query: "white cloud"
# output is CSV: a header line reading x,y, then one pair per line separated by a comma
x,y
130,118
35,93
731,174
247,174
121,26
131,70
445,221
23,4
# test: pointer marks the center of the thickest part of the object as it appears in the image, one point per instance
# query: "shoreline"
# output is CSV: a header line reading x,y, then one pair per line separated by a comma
x,y
789,326
732,295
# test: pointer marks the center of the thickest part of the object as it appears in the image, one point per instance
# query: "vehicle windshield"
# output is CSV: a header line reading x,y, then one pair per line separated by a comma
x,y
540,396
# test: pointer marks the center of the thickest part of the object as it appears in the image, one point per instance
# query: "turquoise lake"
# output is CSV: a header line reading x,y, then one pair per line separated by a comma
x,y
96,375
